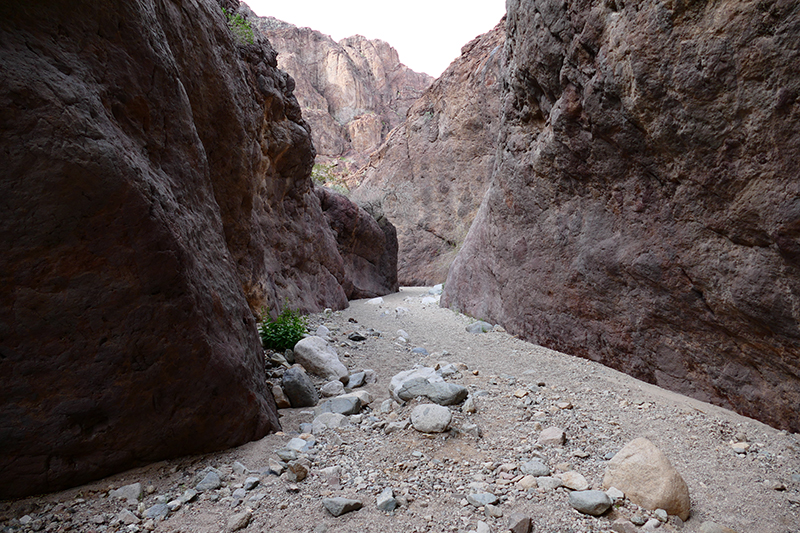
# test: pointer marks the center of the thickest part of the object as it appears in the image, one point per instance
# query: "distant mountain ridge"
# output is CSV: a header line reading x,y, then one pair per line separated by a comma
x,y
351,92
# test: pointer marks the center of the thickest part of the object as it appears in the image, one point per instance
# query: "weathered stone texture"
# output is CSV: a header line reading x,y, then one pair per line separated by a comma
x,y
644,210
430,175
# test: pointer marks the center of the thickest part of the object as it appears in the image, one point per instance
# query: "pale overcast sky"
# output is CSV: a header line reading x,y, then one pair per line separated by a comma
x,y
428,34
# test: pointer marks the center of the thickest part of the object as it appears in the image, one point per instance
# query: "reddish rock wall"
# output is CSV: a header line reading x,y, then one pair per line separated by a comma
x,y
430,175
644,209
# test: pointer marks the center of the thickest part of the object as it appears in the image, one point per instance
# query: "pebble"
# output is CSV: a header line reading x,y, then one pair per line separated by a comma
x,y
299,388
131,493
430,418
357,379
343,405
527,482
356,337
482,499
329,421
239,469
661,515
239,494
535,468
592,502
158,511
615,494
492,511
174,505
573,480
774,484
651,525
211,481
552,436
621,525
519,523
713,527
386,500
420,350
332,388
548,483
479,327
239,521
469,405
339,505
740,447
482,527
296,472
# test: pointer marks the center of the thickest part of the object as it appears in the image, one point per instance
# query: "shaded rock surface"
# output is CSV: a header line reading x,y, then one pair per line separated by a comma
x,y
646,181
429,176
352,92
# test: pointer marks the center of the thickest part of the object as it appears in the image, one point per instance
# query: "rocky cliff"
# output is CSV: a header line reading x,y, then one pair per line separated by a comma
x,y
644,208
430,175
352,92
156,192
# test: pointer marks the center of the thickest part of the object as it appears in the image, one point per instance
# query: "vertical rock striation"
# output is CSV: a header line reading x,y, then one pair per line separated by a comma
x,y
155,193
430,175
644,206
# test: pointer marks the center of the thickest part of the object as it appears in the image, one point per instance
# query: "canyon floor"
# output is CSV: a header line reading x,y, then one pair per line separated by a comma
x,y
758,491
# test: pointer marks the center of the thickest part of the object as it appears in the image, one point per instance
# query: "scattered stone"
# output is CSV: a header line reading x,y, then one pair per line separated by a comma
x,y
287,454
239,469
482,527
469,405
419,350
648,479
357,379
344,405
638,519
131,493
740,447
332,388
339,505
391,427
430,418
573,480
356,337
520,393
651,525
564,405
211,481
276,467
621,525
481,499
615,494
127,517
519,523
251,483
774,484
239,521
713,527
174,505
158,511
299,445
328,421
548,483
296,472
535,468
479,327
492,511
552,436
386,500
370,376
319,358
299,388
661,515
323,332
592,502
439,392
417,373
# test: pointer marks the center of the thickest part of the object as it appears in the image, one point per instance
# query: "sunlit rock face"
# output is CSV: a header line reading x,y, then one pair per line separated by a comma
x,y
431,173
644,207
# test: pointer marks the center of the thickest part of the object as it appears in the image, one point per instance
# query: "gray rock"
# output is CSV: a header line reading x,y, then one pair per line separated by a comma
x,y
519,523
276,467
469,405
479,327
332,388
287,454
386,500
552,436
370,376
251,483
548,483
481,499
420,350
430,418
535,467
127,517
402,333
239,494
357,379
662,515
438,392
424,372
211,481
343,405
239,521
592,502
323,332
427,300
339,506
306,427
391,427
651,525
621,525
472,430
239,468
158,511
573,480
299,445
482,527
329,421
188,496
492,511
356,337
299,388
131,493
319,358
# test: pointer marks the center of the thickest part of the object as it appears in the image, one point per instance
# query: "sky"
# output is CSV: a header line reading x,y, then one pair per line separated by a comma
x,y
428,34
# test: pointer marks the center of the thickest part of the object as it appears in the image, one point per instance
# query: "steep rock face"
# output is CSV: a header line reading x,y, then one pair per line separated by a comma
x,y
155,189
368,246
431,173
643,210
351,92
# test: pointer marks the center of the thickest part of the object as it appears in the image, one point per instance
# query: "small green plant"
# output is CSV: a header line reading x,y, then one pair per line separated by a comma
x,y
331,175
240,27
283,332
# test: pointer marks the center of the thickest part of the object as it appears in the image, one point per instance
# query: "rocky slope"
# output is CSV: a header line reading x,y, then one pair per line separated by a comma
x,y
352,92
156,192
432,172
644,211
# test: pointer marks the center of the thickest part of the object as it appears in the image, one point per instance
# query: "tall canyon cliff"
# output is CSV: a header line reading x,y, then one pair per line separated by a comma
x,y
156,192
430,175
644,206
351,92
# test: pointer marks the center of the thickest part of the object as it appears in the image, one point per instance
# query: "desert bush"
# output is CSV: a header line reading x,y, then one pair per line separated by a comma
x,y
240,27
282,332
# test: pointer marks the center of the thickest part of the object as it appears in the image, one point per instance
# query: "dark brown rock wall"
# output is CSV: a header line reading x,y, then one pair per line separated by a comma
x,y
155,192
430,175
644,207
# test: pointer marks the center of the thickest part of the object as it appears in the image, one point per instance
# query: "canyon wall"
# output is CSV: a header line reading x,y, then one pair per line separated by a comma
x,y
352,92
644,206
430,175
156,193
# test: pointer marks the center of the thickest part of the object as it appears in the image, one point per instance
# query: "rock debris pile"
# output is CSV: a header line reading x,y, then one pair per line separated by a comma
x,y
464,439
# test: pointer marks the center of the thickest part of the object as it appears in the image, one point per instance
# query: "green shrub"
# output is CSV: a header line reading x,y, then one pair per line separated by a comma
x,y
240,27
283,332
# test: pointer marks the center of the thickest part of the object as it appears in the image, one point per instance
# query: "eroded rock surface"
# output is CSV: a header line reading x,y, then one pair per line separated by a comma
x,y
156,192
352,92
644,210
432,172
